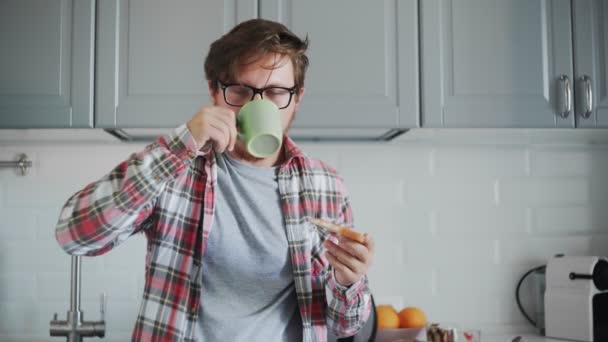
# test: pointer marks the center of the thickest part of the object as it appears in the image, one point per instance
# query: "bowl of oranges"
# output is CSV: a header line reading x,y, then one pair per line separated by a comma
x,y
407,324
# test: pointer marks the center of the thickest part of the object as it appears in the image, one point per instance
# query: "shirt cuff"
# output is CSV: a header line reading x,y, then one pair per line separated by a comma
x,y
347,293
181,143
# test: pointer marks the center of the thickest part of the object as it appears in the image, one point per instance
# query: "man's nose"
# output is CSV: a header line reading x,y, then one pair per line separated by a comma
x,y
257,96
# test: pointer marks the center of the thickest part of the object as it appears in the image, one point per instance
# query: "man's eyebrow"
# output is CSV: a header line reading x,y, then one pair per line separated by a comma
x,y
276,85
266,86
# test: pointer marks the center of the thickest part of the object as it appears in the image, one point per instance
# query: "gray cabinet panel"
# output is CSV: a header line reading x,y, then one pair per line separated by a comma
x,y
494,63
352,81
46,63
408,66
590,19
150,58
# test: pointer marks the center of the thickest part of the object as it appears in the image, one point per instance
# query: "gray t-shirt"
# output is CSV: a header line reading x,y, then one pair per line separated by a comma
x,y
248,291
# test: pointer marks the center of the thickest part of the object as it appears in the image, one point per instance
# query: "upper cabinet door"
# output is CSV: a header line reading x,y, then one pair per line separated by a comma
x,y
496,63
150,56
591,62
46,64
355,71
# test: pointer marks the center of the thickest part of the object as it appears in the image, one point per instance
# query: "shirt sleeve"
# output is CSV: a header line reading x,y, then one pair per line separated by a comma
x,y
348,308
109,210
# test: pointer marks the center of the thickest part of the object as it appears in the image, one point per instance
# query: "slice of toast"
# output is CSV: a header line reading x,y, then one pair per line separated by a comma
x,y
340,230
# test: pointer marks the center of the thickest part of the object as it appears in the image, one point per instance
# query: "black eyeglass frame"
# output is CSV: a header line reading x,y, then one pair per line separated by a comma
x,y
256,91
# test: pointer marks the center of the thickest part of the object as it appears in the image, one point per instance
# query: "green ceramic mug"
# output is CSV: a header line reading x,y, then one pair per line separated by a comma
x,y
260,124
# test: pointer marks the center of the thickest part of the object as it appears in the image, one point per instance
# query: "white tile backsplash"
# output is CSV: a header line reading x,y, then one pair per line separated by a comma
x,y
539,191
457,220
562,162
481,220
570,220
54,286
480,162
537,249
17,319
18,224
17,286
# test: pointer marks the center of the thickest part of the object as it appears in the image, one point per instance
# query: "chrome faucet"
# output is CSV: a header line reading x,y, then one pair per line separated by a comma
x,y
74,328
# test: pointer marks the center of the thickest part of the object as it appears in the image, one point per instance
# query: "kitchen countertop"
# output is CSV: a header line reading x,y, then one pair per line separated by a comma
x,y
527,337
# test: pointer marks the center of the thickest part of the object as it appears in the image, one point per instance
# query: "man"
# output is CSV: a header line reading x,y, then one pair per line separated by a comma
x,y
232,255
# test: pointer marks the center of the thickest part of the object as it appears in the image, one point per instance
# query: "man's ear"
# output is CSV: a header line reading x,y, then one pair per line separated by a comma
x,y
299,95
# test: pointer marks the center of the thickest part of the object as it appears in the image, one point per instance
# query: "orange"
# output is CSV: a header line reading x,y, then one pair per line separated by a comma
x,y
411,317
387,317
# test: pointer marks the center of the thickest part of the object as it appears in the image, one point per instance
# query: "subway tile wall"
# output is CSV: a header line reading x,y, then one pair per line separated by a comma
x,y
456,224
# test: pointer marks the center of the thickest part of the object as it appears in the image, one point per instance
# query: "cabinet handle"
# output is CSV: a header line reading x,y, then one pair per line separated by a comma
x,y
566,100
588,92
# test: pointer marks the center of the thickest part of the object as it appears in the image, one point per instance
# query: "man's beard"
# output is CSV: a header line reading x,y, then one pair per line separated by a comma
x,y
241,153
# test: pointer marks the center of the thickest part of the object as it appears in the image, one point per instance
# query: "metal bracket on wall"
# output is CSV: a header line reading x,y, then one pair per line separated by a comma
x,y
22,164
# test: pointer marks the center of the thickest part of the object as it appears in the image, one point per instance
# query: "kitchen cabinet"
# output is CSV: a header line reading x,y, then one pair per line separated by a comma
x,y
498,63
47,63
363,61
363,72
590,20
139,63
148,61
150,58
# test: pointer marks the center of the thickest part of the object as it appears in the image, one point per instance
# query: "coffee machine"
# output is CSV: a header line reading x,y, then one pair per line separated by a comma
x,y
576,298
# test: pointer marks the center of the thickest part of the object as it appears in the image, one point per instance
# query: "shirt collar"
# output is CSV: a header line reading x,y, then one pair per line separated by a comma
x,y
291,150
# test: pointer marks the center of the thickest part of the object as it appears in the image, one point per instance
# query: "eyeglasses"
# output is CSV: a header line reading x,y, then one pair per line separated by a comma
x,y
238,94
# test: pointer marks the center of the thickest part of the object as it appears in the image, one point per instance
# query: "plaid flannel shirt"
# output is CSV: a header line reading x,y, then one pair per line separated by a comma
x,y
166,191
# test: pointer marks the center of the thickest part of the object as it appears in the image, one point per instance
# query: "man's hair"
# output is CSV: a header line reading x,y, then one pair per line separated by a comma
x,y
250,41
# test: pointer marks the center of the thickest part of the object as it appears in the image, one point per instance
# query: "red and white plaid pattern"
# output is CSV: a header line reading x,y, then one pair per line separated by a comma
x,y
167,192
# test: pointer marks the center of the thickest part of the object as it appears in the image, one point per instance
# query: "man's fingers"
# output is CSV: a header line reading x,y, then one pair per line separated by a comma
x,y
228,118
205,123
339,266
354,248
220,133
370,243
347,259
233,137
